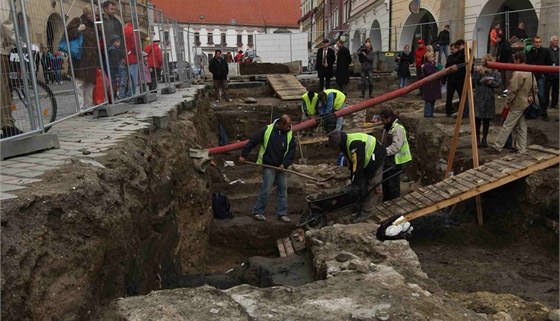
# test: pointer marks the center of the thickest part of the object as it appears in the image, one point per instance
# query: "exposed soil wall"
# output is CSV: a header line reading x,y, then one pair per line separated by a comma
x,y
90,235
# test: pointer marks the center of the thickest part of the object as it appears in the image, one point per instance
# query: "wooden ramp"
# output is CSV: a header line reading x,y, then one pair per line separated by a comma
x,y
468,184
286,86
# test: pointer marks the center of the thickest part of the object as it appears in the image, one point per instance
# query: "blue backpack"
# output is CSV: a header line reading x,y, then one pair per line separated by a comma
x,y
220,206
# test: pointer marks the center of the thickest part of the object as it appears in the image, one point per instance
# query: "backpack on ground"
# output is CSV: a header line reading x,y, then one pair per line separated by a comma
x,y
220,206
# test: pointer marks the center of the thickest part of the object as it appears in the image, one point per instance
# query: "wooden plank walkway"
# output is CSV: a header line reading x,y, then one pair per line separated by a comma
x,y
468,184
286,86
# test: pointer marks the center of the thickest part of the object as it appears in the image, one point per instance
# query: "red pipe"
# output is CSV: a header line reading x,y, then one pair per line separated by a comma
x,y
523,67
352,109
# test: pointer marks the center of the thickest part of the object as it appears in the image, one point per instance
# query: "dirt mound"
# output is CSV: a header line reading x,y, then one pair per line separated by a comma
x,y
89,235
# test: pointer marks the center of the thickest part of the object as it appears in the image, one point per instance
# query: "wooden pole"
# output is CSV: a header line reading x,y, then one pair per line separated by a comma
x,y
466,93
474,141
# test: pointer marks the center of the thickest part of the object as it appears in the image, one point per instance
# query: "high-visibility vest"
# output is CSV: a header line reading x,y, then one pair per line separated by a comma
x,y
404,155
310,106
369,140
339,99
266,137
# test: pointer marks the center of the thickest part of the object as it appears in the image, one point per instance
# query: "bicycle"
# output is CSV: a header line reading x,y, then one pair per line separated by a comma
x,y
47,100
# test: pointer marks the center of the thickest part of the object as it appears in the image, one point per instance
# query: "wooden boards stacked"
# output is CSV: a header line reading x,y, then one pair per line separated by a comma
x,y
287,87
294,244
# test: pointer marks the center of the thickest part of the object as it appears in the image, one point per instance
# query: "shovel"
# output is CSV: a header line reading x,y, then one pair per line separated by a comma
x,y
302,159
286,170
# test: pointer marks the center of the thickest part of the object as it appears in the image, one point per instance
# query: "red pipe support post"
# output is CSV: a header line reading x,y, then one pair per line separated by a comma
x,y
523,67
352,109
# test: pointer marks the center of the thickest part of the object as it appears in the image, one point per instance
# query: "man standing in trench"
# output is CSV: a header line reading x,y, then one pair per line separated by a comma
x,y
365,160
398,153
277,149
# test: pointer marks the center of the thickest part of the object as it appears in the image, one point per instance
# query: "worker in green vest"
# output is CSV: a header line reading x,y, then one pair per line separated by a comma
x,y
398,153
331,101
277,149
365,160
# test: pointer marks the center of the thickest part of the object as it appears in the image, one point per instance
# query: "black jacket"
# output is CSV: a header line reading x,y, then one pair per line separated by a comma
x,y
343,65
504,53
453,77
443,38
363,174
539,56
331,57
274,154
218,68
406,59
555,62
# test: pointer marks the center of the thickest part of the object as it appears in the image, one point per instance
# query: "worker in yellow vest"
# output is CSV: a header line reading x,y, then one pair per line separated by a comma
x,y
277,148
331,101
365,160
309,104
398,153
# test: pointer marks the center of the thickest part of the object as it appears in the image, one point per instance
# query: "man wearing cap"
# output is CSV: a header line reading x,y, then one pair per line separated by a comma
x,y
398,153
324,65
419,55
365,160
155,61
277,149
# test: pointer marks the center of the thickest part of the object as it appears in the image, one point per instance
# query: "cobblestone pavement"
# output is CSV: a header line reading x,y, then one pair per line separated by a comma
x,y
86,138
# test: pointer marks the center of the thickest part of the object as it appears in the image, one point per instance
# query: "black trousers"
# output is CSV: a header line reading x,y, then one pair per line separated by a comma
x,y
452,87
552,84
391,186
154,74
324,82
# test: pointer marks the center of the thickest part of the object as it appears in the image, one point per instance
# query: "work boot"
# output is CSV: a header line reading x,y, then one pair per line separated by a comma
x,y
363,91
484,143
370,91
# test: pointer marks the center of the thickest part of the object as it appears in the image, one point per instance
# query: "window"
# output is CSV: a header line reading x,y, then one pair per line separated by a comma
x,y
250,39
223,39
239,40
166,35
197,38
210,39
346,11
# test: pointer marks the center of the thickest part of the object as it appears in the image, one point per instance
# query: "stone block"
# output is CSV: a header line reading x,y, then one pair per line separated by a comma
x,y
28,145
160,122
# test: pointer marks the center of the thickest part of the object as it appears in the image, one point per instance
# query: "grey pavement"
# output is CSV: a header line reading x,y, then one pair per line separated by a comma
x,y
84,139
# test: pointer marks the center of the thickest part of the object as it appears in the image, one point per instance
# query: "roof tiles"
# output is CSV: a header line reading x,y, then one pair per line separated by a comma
x,y
259,13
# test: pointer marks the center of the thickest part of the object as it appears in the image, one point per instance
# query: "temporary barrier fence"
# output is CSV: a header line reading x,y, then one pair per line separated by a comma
x,y
44,85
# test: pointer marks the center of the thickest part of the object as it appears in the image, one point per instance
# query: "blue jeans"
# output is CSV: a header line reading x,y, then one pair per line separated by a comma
x,y
429,108
543,101
445,50
403,81
271,176
340,120
133,79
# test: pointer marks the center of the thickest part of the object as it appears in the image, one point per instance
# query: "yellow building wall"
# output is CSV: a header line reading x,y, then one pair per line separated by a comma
x,y
401,13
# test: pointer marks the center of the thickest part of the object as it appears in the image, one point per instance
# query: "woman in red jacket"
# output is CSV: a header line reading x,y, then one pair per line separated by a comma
x,y
155,61
419,55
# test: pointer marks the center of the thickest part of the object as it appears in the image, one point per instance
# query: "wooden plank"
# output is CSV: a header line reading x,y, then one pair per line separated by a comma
x,y
426,201
543,149
447,188
393,208
490,171
508,164
439,192
472,179
483,188
428,194
298,240
480,175
414,201
406,205
460,181
500,168
288,246
539,156
281,248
